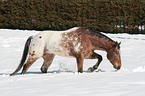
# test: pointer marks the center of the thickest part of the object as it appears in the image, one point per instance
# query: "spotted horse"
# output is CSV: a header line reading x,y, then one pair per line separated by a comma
x,y
77,42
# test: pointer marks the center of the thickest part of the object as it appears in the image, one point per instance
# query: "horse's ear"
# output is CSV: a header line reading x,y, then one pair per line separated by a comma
x,y
119,43
115,45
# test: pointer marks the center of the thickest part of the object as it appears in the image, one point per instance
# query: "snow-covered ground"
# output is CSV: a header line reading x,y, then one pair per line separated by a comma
x,y
62,78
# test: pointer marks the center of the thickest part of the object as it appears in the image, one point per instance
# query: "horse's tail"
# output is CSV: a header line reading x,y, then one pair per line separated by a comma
x,y
25,53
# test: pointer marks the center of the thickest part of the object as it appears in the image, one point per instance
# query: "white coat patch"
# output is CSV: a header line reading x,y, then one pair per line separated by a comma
x,y
56,42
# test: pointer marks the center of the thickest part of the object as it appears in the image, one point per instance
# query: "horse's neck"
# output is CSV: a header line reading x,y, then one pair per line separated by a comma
x,y
101,42
103,45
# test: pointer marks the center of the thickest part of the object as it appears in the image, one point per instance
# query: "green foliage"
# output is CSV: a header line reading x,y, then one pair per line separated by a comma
x,y
102,15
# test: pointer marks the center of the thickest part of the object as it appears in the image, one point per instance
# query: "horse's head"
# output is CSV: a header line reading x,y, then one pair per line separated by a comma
x,y
113,55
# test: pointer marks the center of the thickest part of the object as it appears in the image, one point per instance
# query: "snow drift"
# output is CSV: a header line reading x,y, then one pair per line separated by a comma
x,y
62,78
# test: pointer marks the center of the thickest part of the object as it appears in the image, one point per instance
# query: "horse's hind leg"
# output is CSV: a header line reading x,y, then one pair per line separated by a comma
x,y
48,58
95,56
27,65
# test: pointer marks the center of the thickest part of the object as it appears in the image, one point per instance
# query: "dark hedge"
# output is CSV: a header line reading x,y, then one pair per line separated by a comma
x,y
102,15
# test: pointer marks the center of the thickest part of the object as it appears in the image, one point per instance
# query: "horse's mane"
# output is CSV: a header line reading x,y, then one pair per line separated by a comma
x,y
97,34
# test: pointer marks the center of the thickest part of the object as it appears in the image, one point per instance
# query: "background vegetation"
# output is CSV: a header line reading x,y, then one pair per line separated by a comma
x,y
103,15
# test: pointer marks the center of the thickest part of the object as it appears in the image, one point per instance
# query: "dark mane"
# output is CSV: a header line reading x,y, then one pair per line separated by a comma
x,y
97,34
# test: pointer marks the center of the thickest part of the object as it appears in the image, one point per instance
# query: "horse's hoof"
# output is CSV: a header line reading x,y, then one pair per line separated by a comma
x,y
91,69
22,73
43,70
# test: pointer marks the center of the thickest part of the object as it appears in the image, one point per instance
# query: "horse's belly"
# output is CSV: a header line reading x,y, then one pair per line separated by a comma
x,y
63,54
60,52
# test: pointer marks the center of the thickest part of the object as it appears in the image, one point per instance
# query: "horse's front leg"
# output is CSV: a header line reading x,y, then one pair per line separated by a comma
x,y
95,56
80,61
48,58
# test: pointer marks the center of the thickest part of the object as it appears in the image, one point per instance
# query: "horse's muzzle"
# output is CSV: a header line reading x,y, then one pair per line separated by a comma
x,y
117,67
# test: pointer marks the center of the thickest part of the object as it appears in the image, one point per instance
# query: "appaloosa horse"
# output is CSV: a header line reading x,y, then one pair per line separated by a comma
x,y
78,42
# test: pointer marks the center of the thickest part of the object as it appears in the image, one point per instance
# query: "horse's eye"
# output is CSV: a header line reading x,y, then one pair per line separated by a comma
x,y
117,53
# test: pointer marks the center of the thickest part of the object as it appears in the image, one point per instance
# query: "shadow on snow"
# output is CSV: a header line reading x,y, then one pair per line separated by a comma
x,y
54,71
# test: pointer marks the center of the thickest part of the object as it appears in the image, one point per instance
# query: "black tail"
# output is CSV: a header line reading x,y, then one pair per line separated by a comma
x,y
25,53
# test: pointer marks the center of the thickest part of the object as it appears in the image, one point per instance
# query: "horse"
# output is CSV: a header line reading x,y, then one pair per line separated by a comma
x,y
77,42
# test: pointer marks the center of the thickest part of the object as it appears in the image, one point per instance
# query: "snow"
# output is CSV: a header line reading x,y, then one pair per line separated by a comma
x,y
62,78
